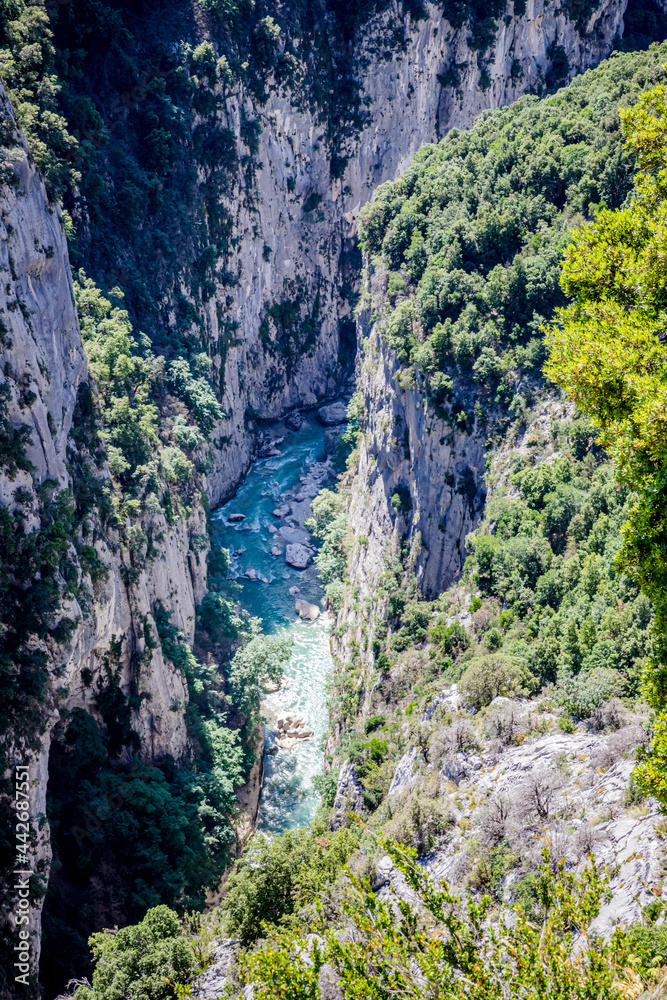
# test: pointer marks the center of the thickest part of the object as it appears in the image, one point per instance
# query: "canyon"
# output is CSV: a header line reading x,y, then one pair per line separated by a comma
x,y
294,237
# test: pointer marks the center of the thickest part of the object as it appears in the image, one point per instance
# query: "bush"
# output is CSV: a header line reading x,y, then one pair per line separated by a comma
x,y
487,677
442,945
278,875
262,659
141,962
582,694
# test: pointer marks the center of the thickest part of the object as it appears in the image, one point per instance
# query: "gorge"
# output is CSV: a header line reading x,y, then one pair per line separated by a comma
x,y
215,216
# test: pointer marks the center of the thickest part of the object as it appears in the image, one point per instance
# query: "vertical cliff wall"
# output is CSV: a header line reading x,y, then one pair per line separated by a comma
x,y
86,633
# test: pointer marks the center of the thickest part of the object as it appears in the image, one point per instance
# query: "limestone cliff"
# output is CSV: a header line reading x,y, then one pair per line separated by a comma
x,y
45,368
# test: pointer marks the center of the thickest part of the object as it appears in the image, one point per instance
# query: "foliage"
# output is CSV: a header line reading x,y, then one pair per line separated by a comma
x,y
259,660
471,235
582,694
140,962
27,70
607,353
329,525
124,380
487,677
279,875
161,833
552,563
389,949
195,390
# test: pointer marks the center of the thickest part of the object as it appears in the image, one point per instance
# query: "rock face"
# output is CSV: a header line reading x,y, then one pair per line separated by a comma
x,y
309,259
416,474
42,351
419,485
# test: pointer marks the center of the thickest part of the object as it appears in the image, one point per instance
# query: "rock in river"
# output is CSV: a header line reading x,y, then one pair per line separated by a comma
x,y
334,413
236,518
294,420
306,610
297,555
331,436
251,574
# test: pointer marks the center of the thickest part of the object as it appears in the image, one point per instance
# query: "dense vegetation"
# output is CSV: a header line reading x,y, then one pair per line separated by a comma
x,y
440,945
469,239
607,352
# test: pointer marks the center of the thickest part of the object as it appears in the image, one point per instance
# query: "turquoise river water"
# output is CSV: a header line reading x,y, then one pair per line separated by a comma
x,y
288,798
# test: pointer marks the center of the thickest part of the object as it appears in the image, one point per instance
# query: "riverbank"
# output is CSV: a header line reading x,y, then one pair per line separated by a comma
x,y
271,560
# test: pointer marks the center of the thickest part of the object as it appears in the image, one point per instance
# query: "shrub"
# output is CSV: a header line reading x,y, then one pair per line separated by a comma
x,y
457,951
277,875
584,693
141,962
487,677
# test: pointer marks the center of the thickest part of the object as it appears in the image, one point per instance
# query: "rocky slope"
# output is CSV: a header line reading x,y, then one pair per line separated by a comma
x,y
503,779
487,792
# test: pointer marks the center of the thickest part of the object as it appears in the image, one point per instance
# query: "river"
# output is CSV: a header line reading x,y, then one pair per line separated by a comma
x,y
288,798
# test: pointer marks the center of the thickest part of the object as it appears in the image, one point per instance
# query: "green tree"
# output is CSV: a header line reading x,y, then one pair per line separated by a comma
x,y
607,353
141,962
262,659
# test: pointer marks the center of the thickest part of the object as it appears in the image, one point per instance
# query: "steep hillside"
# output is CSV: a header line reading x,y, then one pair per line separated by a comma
x,y
224,158
462,269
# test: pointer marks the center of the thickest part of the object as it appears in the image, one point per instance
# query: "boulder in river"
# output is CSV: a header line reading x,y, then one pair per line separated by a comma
x,y
236,518
286,743
281,511
251,574
297,555
271,750
276,550
333,414
306,610
292,727
272,529
293,591
293,421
